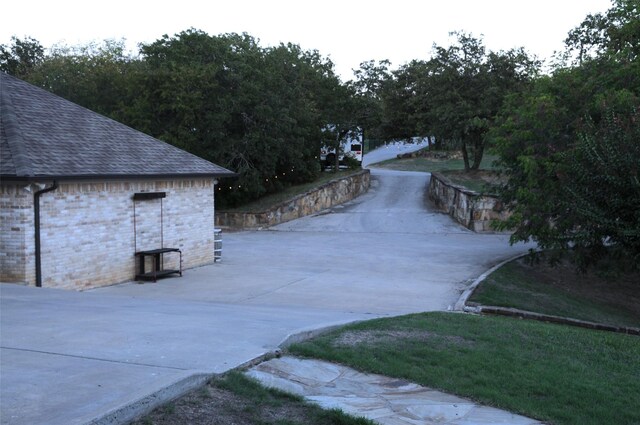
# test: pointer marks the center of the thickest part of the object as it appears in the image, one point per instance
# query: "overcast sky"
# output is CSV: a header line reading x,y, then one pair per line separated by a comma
x,y
347,31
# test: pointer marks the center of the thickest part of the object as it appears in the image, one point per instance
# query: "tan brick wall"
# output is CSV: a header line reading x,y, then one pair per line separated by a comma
x,y
91,230
17,242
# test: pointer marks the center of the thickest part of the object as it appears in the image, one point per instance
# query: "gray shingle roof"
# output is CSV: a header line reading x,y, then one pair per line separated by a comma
x,y
45,136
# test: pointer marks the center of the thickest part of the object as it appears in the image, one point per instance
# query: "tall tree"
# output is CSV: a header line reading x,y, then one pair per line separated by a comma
x,y
256,111
569,147
21,57
96,76
398,102
371,79
457,94
614,34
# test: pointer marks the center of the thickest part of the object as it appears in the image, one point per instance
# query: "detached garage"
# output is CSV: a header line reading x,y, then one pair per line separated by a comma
x,y
81,194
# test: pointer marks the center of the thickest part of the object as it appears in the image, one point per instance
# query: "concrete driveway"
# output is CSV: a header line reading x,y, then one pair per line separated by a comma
x,y
105,355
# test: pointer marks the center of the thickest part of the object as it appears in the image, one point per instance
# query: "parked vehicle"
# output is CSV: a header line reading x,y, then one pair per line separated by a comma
x,y
351,145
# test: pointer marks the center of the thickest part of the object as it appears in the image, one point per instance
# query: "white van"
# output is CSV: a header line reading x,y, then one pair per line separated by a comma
x,y
352,145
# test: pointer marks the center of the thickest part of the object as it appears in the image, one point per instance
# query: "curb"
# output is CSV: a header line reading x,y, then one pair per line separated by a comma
x,y
462,301
461,306
142,406
312,333
523,314
146,404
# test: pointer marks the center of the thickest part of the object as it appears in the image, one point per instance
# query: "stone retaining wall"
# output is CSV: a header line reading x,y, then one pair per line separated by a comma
x,y
473,210
326,196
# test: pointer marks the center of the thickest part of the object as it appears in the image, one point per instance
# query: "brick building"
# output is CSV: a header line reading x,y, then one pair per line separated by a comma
x,y
81,194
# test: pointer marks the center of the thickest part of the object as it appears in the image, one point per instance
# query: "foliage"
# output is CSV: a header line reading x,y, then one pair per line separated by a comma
x,y
21,57
396,96
600,193
458,92
99,77
560,291
615,33
569,148
371,79
257,111
351,163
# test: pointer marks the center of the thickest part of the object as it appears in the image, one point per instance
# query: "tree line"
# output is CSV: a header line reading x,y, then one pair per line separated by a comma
x,y
257,111
567,137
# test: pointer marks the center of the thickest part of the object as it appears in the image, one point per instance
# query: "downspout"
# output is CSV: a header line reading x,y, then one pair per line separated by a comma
x,y
36,220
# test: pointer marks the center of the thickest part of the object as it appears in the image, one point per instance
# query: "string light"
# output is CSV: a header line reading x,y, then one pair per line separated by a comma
x,y
238,187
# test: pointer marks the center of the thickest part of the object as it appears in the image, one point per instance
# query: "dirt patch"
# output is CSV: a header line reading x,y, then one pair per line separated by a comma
x,y
375,337
211,405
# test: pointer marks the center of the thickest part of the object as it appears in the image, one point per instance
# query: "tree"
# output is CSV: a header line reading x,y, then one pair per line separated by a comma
x,y
371,79
614,34
600,186
569,149
21,57
398,98
98,76
341,120
256,111
457,94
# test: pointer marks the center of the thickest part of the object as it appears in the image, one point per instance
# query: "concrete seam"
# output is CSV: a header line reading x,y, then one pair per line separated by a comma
x,y
92,358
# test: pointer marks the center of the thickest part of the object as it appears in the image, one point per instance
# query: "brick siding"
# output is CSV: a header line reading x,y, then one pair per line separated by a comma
x,y
91,230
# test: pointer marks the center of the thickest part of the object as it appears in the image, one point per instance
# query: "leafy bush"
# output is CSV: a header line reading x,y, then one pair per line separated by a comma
x,y
599,211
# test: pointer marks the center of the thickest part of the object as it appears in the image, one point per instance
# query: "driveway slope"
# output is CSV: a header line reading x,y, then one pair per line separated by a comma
x,y
108,354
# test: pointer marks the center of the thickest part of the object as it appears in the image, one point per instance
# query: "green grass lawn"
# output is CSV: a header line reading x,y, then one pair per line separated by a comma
x,y
481,181
453,169
431,165
554,373
562,291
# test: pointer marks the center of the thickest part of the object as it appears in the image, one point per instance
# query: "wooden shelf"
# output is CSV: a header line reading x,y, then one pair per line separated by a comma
x,y
153,275
157,270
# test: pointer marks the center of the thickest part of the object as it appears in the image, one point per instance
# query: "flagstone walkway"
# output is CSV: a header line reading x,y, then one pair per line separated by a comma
x,y
388,401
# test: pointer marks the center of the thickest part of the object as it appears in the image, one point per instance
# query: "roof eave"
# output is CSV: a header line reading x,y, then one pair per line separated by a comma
x,y
15,178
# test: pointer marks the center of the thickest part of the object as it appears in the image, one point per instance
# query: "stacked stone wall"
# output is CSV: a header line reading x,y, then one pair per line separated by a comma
x,y
326,196
473,210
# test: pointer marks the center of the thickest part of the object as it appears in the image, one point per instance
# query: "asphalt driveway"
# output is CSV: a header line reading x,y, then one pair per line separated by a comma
x,y
105,355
